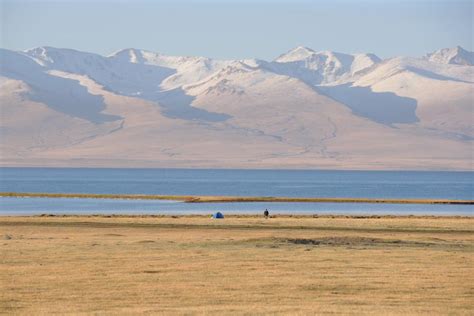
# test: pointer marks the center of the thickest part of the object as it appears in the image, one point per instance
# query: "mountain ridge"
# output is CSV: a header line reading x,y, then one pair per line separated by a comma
x,y
303,109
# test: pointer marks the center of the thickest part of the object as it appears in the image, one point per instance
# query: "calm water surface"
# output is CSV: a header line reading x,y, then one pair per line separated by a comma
x,y
36,206
290,183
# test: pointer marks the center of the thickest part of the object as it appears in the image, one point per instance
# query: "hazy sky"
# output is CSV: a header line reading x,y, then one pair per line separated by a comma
x,y
239,29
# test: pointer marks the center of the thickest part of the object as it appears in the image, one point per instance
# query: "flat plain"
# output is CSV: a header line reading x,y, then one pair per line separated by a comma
x,y
238,265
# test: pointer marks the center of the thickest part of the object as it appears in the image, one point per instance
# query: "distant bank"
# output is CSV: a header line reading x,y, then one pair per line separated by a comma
x,y
232,199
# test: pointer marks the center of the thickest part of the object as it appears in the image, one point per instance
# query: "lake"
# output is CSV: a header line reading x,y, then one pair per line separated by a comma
x,y
287,183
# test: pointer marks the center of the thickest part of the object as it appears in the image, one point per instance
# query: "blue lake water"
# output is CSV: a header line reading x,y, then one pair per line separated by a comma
x,y
36,206
290,183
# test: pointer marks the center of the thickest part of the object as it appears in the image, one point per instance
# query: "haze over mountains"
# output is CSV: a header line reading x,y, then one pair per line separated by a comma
x,y
305,109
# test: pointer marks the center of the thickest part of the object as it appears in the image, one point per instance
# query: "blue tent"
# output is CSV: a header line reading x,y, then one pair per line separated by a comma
x,y
218,215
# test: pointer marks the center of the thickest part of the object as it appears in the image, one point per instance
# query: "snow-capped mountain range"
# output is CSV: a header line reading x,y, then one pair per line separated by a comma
x,y
304,109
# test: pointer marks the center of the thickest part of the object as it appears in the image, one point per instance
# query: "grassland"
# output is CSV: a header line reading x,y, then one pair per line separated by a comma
x,y
239,265
231,199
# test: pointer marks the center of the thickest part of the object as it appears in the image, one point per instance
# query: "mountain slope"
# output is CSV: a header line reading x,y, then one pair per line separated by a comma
x,y
304,109
186,69
454,56
321,67
51,90
444,94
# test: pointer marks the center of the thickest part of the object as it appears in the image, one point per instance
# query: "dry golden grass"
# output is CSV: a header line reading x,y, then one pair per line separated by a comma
x,y
239,265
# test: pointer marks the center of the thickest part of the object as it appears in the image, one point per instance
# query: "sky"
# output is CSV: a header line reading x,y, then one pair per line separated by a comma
x,y
239,29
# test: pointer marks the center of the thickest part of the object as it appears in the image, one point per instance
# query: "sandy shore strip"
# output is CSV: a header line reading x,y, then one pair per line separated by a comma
x,y
240,265
233,199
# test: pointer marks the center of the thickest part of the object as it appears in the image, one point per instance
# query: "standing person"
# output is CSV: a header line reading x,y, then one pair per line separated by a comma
x,y
266,213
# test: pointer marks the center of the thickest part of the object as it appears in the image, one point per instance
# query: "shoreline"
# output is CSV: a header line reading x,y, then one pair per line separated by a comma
x,y
236,216
235,199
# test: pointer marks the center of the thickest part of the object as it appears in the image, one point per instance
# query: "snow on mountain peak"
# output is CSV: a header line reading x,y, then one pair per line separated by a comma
x,y
132,55
304,109
40,55
234,67
297,53
46,55
322,67
455,56
66,59
363,61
